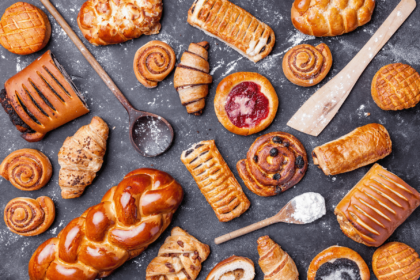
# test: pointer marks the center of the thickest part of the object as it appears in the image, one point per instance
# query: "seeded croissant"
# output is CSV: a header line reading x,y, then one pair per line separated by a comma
x,y
81,157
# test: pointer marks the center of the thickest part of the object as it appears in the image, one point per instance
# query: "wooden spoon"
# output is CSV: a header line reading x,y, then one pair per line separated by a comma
x,y
320,109
150,134
285,215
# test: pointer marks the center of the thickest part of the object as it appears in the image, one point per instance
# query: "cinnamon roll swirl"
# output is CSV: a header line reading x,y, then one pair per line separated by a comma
x,y
29,217
26,169
153,62
275,162
306,66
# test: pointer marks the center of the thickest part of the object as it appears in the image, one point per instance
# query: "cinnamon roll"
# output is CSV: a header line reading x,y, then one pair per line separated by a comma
x,y
26,169
153,62
306,65
29,217
275,162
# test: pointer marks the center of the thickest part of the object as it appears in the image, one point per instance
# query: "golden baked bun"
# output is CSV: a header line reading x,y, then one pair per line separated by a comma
x,y
306,66
396,87
235,268
330,18
24,29
396,260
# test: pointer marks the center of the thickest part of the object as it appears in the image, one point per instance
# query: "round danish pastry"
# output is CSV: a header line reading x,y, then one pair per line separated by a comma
x,y
338,263
245,103
396,87
153,63
274,163
306,65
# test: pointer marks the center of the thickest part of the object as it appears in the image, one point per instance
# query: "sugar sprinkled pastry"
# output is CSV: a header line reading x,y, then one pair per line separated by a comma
x,y
306,66
234,267
245,103
396,87
338,263
274,163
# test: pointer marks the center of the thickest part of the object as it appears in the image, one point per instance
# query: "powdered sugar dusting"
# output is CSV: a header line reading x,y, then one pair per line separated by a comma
x,y
308,207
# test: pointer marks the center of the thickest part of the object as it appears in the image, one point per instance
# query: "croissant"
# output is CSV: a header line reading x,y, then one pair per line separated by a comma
x,y
81,156
192,78
274,262
129,218
180,257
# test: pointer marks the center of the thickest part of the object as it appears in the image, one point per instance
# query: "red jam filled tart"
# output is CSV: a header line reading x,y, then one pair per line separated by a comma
x,y
245,103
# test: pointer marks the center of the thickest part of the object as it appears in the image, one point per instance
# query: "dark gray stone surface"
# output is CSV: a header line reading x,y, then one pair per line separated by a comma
x,y
302,242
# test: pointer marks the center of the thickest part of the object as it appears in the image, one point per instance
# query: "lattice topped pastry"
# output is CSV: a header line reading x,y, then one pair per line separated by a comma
x,y
234,26
378,204
215,180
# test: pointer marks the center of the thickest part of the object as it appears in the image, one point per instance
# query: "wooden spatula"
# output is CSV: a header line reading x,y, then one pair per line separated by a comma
x,y
321,108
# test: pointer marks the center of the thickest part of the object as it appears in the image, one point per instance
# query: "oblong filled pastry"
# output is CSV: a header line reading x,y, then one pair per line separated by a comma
x,y
378,204
361,147
234,267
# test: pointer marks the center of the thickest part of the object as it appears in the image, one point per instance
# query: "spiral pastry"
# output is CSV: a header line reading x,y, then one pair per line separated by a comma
x,y
306,66
26,169
275,162
153,62
29,217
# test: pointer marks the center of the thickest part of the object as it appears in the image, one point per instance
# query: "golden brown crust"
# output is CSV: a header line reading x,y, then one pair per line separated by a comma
x,y
81,157
378,204
274,262
105,22
330,18
306,66
129,218
396,87
396,260
153,63
271,155
234,26
224,89
215,180
26,169
192,78
240,268
29,217
24,29
361,147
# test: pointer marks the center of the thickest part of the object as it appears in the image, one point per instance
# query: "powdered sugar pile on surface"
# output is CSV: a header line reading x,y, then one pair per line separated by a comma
x,y
308,207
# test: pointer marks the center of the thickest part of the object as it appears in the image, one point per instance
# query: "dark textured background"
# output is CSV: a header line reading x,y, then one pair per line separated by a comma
x,y
302,242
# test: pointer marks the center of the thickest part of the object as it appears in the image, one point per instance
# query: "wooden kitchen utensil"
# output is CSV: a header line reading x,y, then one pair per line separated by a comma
x,y
321,107
150,134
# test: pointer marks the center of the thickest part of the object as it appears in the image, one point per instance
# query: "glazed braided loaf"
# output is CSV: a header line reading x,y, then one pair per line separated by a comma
x,y
129,218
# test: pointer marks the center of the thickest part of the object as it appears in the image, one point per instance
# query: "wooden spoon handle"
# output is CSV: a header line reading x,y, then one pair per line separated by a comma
x,y
86,53
324,104
245,230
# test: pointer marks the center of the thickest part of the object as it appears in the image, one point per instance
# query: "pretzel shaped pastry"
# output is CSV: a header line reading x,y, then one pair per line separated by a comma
x,y
129,218
26,169
274,163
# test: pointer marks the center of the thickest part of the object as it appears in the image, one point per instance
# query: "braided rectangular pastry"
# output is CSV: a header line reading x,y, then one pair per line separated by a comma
x,y
129,218
378,204
234,26
215,180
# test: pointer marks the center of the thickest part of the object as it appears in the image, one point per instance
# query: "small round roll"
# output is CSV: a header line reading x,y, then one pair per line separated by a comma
x,y
238,268
29,217
153,63
26,169
306,66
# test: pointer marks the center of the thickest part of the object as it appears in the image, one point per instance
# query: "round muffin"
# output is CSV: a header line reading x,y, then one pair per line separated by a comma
x,y
245,103
396,87
24,29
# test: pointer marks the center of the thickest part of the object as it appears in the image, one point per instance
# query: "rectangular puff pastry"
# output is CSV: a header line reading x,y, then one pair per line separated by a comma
x,y
215,180
361,147
234,26
376,206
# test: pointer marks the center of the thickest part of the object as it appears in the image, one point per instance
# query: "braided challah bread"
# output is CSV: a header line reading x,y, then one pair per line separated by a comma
x,y
129,218
330,18
179,258
106,22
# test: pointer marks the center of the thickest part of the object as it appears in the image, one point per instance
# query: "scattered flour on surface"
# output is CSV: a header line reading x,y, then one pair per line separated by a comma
x,y
308,207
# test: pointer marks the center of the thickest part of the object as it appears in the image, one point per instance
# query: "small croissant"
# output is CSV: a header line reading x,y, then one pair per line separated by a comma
x,y
81,156
192,78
